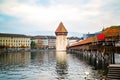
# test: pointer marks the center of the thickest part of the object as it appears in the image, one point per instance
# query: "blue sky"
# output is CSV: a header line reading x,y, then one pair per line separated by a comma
x,y
82,16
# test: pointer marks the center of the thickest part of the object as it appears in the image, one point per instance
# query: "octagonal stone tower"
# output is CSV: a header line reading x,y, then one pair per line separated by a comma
x,y
61,38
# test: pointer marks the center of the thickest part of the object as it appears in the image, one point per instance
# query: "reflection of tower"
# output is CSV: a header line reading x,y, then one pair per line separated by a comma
x,y
61,64
61,37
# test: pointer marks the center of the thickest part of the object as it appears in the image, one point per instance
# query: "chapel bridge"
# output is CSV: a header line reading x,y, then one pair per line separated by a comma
x,y
100,51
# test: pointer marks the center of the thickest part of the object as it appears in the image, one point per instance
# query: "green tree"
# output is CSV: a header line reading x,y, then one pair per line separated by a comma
x,y
32,44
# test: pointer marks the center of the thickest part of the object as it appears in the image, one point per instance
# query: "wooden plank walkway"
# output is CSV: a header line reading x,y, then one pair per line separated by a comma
x,y
114,72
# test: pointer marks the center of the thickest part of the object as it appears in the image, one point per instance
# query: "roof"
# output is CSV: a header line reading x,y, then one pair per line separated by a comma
x,y
43,37
61,29
86,41
13,35
112,31
108,32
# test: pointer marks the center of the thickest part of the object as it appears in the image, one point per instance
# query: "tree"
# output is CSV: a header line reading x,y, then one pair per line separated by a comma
x,y
32,44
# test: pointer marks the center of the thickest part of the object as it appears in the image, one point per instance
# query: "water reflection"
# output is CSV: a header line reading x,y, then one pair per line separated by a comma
x,y
44,65
13,59
37,58
61,65
13,65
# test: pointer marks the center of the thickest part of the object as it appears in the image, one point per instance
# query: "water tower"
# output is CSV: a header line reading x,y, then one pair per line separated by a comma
x,y
61,38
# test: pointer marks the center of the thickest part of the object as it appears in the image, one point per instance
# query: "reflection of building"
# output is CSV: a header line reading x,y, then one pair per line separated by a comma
x,y
38,57
14,41
61,64
61,37
15,59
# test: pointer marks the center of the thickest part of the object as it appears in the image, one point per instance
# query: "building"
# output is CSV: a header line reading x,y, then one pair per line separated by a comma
x,y
44,42
40,41
112,35
85,36
51,42
72,40
61,38
14,41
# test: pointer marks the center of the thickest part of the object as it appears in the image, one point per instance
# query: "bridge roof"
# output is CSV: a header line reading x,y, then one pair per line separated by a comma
x,y
61,28
108,32
87,41
112,31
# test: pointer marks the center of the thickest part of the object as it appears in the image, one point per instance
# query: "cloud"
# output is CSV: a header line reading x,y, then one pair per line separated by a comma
x,y
79,15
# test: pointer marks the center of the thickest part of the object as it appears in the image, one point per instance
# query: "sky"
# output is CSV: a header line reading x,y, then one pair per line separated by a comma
x,y
81,16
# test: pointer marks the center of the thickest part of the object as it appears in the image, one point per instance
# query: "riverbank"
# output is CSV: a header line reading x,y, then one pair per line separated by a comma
x,y
11,50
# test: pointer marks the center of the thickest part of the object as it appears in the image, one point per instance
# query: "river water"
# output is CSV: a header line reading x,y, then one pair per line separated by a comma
x,y
45,65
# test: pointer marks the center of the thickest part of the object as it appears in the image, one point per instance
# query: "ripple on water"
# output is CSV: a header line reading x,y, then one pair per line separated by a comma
x,y
45,66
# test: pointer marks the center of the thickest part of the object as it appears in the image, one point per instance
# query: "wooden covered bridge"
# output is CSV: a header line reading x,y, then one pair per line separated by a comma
x,y
100,50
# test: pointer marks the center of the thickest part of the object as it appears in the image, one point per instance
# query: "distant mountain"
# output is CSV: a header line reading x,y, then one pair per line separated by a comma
x,y
50,33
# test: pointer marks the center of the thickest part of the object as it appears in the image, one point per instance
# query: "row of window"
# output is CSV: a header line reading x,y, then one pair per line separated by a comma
x,y
13,41
15,44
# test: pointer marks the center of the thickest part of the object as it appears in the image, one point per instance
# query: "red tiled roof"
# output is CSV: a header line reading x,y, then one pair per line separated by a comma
x,y
89,40
112,31
61,28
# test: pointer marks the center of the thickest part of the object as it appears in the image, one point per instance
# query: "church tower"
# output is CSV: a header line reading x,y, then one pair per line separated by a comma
x,y
61,38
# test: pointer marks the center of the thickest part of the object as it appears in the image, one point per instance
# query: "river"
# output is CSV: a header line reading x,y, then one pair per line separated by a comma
x,y
45,65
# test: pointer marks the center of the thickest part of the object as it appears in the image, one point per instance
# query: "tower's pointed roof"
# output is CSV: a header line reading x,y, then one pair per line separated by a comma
x,y
61,28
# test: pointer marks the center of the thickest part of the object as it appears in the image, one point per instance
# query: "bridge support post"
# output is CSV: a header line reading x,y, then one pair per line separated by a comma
x,y
113,58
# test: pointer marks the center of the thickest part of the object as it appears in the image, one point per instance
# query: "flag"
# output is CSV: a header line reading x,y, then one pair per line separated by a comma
x,y
101,37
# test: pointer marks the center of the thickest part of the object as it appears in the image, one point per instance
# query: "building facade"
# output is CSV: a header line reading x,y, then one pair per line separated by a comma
x,y
72,40
44,42
40,41
51,42
14,41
